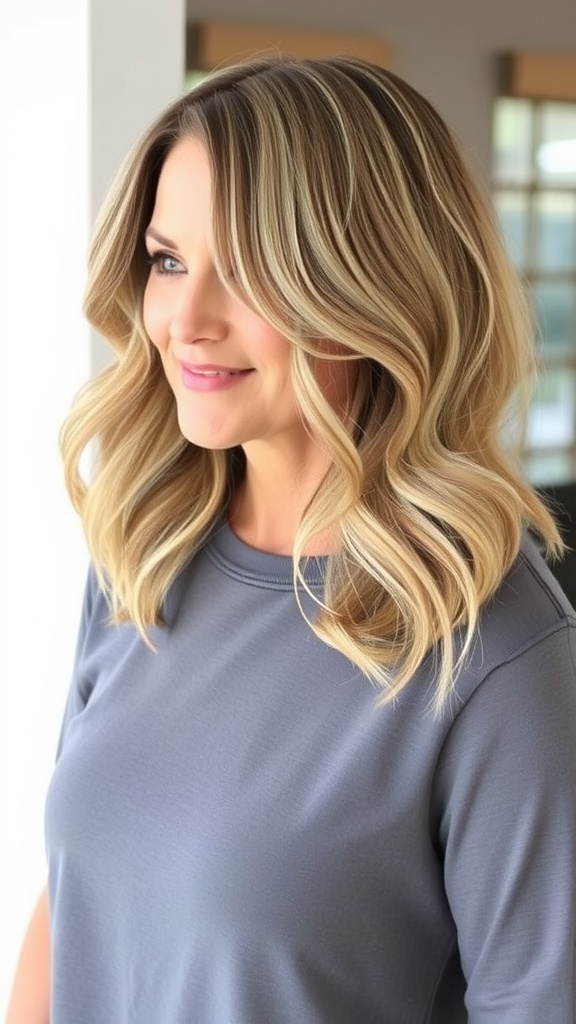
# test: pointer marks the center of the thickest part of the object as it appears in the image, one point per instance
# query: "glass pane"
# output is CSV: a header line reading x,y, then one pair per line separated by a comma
x,y
512,140
555,231
513,427
193,78
555,303
549,468
551,417
512,210
556,156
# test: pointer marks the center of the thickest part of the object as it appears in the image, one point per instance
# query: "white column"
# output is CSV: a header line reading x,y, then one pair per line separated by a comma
x,y
137,64
79,79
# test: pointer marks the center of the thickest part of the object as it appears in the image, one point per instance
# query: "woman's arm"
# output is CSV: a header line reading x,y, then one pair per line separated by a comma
x,y
30,998
507,786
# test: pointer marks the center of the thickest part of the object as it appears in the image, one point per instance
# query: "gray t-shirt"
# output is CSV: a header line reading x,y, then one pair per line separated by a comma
x,y
236,835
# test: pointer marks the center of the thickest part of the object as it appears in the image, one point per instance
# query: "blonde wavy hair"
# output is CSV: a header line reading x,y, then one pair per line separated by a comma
x,y
346,212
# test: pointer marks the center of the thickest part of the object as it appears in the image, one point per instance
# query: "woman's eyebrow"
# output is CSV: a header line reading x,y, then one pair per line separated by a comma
x,y
152,233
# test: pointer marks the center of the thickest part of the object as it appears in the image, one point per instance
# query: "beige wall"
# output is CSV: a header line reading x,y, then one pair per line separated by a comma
x,y
446,48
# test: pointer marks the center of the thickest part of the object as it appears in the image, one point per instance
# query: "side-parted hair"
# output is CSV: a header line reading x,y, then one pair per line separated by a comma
x,y
345,212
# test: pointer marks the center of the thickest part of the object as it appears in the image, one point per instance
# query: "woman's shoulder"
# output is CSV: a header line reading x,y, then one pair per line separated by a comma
x,y
530,587
527,628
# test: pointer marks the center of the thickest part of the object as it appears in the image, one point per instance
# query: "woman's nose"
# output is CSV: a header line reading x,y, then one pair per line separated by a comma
x,y
200,311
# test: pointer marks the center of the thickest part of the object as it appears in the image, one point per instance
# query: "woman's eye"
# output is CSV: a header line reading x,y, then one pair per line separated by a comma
x,y
164,263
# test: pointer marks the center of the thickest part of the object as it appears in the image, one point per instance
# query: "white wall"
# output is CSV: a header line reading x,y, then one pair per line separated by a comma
x,y
44,355
79,80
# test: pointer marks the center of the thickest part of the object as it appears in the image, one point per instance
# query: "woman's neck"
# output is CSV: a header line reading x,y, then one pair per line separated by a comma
x,y
270,499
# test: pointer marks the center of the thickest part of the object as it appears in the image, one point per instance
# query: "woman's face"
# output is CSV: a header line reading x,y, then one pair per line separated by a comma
x,y
229,369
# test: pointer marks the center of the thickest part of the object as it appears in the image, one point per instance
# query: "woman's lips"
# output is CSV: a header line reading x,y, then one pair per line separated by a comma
x,y
208,377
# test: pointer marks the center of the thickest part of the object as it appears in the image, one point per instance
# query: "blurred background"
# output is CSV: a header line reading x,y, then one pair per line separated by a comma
x,y
79,80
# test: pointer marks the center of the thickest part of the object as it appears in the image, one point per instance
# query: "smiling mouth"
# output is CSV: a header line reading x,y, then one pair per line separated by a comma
x,y
211,378
217,373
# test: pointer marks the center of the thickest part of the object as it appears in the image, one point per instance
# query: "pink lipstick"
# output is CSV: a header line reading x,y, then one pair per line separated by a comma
x,y
210,377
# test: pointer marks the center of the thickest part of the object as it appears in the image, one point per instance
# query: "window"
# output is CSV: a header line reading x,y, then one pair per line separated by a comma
x,y
193,78
534,188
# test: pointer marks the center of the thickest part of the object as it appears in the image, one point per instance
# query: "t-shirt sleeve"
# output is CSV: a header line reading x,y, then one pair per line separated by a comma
x,y
506,789
79,689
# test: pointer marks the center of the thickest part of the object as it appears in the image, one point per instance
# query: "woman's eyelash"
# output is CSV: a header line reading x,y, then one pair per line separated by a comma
x,y
166,263
159,260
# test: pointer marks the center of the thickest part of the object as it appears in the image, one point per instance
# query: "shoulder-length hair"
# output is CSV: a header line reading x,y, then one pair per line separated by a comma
x,y
346,212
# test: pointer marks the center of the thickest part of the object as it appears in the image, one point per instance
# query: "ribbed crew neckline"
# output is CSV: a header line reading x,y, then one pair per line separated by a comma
x,y
259,568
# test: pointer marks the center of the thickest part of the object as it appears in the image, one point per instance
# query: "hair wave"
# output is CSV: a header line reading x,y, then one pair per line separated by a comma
x,y
345,209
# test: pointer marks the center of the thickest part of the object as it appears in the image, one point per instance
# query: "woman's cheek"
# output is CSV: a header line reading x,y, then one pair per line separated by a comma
x,y
152,319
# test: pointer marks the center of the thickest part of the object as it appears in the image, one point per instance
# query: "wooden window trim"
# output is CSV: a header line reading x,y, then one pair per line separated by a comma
x,y
540,76
211,44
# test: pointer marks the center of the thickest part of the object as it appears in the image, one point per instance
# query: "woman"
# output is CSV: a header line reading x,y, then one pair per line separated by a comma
x,y
318,762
